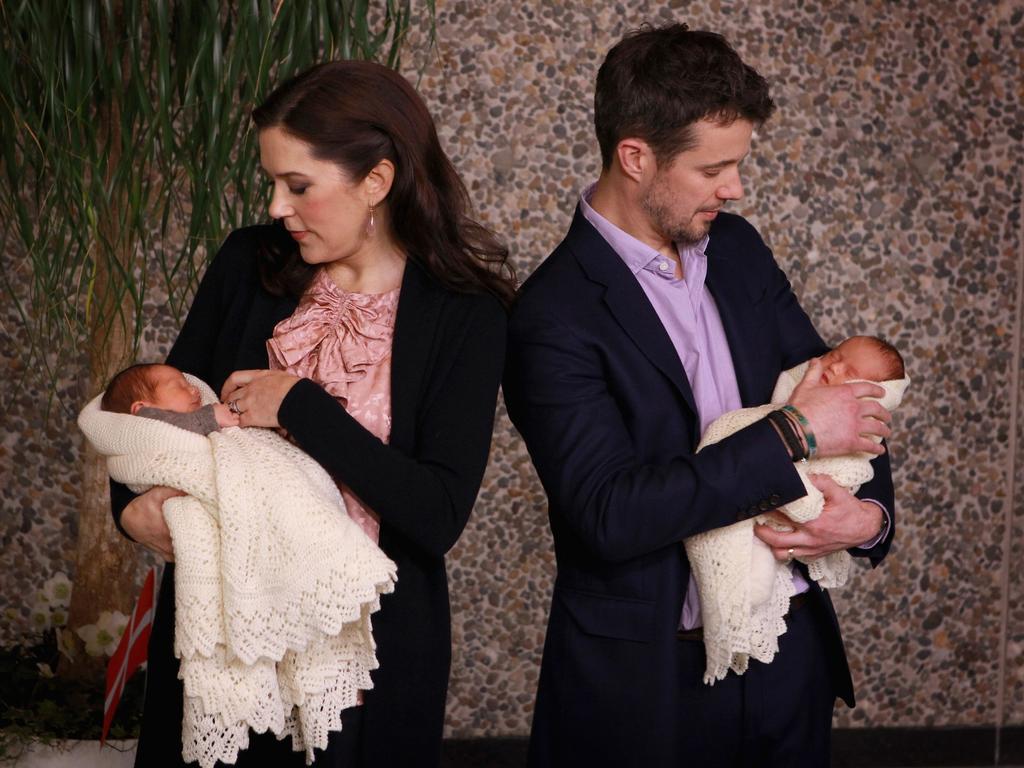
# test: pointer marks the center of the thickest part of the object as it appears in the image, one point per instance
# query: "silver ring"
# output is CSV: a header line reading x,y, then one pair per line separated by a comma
x,y
233,407
790,553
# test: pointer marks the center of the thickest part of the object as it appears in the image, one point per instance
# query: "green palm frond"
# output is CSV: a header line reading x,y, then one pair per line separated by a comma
x,y
123,120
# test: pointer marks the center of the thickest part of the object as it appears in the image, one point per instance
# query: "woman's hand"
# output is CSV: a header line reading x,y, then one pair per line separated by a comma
x,y
257,395
143,520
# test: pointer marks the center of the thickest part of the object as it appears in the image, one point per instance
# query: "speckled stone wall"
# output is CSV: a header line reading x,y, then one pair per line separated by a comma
x,y
889,185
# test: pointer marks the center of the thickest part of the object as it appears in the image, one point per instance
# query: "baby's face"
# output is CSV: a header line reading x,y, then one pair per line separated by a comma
x,y
855,358
172,392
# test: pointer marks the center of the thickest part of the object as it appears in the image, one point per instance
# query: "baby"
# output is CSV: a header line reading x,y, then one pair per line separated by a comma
x,y
274,584
862,358
858,358
161,392
744,591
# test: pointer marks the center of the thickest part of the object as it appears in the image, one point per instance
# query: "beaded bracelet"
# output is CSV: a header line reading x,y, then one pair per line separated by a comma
x,y
788,431
798,434
805,426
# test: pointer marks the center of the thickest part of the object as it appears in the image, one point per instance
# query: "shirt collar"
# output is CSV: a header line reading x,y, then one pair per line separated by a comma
x,y
636,254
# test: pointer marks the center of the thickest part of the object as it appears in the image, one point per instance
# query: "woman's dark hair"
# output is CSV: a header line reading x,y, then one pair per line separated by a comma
x,y
355,114
658,81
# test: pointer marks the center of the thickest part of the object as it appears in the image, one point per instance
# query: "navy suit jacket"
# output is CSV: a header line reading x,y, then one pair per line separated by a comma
x,y
597,390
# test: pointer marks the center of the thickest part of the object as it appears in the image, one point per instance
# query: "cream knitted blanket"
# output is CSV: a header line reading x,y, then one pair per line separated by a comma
x,y
274,584
744,590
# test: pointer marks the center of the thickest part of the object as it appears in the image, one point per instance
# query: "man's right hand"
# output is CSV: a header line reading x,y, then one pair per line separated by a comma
x,y
143,519
840,416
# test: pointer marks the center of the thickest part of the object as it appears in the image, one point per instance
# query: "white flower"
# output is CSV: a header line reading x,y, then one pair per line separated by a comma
x,y
90,635
65,642
58,590
102,637
44,670
40,617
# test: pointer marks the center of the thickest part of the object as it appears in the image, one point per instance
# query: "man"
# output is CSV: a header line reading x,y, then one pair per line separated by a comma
x,y
657,313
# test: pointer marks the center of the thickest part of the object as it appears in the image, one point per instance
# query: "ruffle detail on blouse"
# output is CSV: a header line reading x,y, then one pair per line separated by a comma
x,y
334,337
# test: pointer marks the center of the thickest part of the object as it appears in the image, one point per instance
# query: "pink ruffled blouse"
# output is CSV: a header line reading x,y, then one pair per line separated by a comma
x,y
342,341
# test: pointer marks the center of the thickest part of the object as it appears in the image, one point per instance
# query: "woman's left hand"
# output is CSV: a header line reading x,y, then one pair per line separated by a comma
x,y
257,395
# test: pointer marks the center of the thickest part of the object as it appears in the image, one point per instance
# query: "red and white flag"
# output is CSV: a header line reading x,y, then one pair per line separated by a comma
x,y
130,653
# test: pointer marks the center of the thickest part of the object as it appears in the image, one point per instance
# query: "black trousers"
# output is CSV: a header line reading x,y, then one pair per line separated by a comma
x,y
776,715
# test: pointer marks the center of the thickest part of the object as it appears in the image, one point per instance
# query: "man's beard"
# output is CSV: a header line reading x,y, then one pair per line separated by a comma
x,y
681,233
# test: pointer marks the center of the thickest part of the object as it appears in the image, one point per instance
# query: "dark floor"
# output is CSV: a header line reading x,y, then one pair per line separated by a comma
x,y
851,748
483,753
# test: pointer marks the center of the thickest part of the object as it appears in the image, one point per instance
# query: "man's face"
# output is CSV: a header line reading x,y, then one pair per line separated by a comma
x,y
686,194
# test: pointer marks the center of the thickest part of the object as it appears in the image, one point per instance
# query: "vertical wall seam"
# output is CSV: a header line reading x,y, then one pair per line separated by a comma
x,y
1011,471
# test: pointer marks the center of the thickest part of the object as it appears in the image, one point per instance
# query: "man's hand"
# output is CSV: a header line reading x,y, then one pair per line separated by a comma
x,y
143,519
844,523
841,417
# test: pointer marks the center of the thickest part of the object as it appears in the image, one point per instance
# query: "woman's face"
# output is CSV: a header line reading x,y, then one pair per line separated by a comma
x,y
324,211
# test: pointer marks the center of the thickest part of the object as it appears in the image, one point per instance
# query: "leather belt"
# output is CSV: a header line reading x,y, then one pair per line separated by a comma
x,y
795,604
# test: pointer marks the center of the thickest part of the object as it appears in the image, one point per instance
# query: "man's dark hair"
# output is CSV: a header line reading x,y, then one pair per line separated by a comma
x,y
658,81
893,359
126,387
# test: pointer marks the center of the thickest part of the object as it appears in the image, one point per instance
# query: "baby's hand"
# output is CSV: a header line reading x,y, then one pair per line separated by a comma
x,y
225,417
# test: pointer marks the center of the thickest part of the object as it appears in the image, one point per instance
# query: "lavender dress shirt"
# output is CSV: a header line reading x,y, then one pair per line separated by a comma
x,y
690,318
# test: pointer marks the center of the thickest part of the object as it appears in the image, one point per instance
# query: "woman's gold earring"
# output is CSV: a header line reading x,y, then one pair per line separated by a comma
x,y
371,227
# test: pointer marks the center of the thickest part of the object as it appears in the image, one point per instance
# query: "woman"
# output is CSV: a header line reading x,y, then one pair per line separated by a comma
x,y
380,306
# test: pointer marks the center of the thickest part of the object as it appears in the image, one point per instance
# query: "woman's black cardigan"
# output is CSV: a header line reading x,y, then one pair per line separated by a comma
x,y
447,358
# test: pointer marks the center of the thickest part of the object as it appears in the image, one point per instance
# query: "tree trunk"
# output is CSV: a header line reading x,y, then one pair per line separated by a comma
x,y
105,562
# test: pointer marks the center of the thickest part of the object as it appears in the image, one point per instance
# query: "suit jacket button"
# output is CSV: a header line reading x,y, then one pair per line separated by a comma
x,y
774,499
764,506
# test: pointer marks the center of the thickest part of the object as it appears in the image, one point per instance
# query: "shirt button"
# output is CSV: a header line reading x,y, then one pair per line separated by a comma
x,y
663,266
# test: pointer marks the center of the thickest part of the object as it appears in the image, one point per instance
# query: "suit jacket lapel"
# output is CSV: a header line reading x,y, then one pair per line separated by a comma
x,y
734,302
627,302
419,305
